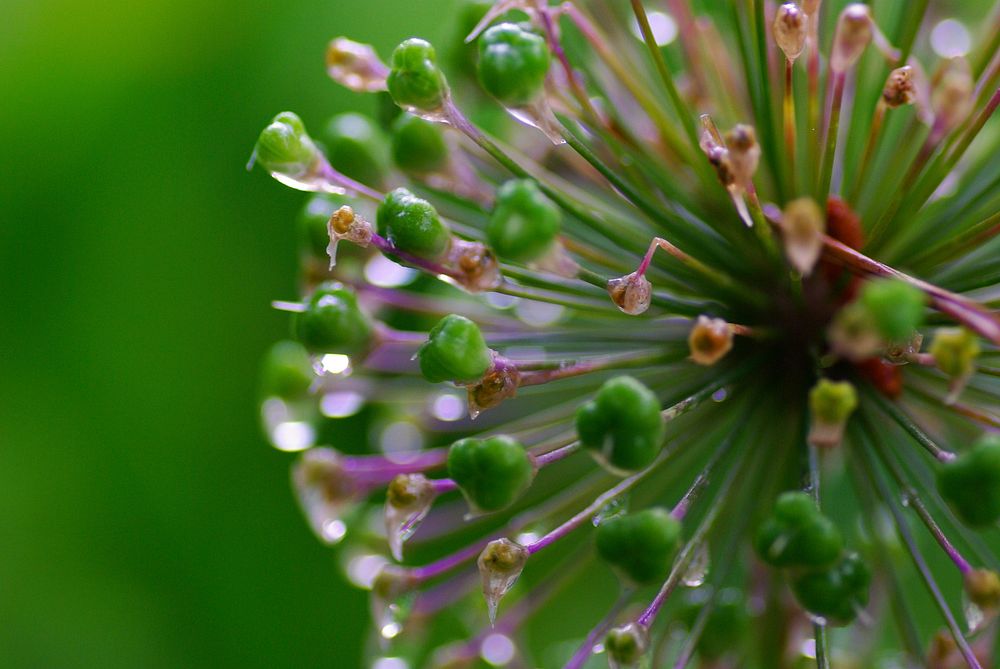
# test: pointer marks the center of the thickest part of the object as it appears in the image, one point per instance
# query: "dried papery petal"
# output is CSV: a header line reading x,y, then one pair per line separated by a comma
x,y
900,89
345,223
476,268
790,30
803,225
952,95
499,383
854,33
744,154
408,500
981,597
325,492
710,340
355,66
500,564
631,293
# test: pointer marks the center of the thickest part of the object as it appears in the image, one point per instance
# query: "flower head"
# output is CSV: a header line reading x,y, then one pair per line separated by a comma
x,y
700,249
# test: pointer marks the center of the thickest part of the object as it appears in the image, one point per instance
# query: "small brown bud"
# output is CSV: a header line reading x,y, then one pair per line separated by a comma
x,y
790,30
899,88
951,99
710,340
345,224
477,267
744,153
632,293
803,226
499,384
355,66
983,588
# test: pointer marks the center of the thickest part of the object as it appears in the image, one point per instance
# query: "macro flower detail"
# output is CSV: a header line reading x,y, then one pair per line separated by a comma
x,y
634,372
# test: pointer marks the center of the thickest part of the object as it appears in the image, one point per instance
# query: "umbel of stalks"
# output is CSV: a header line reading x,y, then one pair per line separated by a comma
x,y
612,345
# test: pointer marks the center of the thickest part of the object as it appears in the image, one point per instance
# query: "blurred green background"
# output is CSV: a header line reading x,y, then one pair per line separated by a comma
x,y
144,522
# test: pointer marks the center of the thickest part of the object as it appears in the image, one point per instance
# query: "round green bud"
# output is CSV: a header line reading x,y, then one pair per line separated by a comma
x,y
415,80
513,63
284,146
492,473
727,623
896,307
412,224
837,593
622,425
524,223
418,146
971,483
356,147
833,401
626,645
332,322
797,534
955,351
287,371
454,351
640,546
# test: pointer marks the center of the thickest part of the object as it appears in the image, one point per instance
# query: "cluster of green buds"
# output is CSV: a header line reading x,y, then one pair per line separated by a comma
x,y
564,381
828,582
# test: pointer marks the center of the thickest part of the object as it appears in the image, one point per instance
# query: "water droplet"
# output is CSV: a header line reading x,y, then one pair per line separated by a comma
x,y
497,650
616,507
334,363
361,569
500,564
408,501
390,663
975,617
341,404
663,26
447,407
538,114
697,570
950,39
311,183
288,425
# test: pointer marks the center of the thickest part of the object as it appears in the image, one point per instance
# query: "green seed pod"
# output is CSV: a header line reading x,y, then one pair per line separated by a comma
x,y
418,146
955,351
835,594
831,403
622,425
412,225
415,80
797,534
896,307
492,473
356,147
333,323
287,371
971,483
513,63
454,351
640,546
284,146
727,624
524,223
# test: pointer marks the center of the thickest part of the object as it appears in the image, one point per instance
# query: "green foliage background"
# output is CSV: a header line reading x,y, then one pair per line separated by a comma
x,y
144,522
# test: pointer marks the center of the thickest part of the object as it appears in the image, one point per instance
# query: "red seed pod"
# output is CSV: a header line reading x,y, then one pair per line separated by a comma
x,y
887,378
843,225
